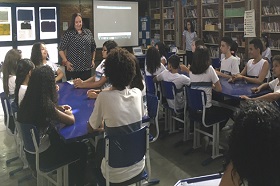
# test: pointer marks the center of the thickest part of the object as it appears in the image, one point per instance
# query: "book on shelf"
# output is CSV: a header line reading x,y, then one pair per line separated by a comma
x,y
214,51
270,27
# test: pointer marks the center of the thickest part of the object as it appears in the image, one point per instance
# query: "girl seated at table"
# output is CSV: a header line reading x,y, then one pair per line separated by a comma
x,y
39,107
99,80
24,70
204,77
153,65
257,69
9,71
40,56
254,146
273,85
114,109
162,51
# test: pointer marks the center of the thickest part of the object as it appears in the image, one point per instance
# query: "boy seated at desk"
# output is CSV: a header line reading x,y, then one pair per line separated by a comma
x,y
229,64
172,75
273,85
257,69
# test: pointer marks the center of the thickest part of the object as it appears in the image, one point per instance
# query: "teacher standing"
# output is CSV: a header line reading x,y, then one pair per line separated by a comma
x,y
77,50
188,36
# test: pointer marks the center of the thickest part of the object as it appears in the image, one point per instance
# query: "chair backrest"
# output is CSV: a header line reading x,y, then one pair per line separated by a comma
x,y
25,131
216,62
152,104
196,99
128,149
150,85
168,89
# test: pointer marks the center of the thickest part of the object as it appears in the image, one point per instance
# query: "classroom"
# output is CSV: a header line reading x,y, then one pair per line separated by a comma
x,y
139,92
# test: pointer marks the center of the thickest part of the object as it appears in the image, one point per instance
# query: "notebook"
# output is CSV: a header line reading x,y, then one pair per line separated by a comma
x,y
137,51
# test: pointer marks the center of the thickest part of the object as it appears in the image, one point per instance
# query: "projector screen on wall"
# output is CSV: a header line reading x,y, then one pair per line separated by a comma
x,y
115,20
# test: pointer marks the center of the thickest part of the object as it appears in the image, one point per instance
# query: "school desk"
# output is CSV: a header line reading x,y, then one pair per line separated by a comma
x,y
82,108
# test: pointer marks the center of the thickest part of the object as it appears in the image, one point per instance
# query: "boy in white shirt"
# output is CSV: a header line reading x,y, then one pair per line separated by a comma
x,y
229,64
172,75
257,69
273,85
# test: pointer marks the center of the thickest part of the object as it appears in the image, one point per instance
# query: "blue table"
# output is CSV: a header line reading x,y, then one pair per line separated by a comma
x,y
209,180
82,108
239,88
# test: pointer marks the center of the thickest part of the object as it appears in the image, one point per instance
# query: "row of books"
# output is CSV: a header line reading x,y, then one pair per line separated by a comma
x,y
169,25
270,27
209,38
274,43
268,10
208,12
190,12
214,51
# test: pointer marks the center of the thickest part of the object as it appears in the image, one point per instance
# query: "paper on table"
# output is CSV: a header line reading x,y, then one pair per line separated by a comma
x,y
70,82
214,182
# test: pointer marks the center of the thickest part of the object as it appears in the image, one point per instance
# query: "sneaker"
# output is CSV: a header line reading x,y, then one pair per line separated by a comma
x,y
205,142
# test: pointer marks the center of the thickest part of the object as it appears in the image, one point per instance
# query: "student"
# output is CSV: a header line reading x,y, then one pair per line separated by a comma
x,y
40,56
39,107
172,75
266,54
24,70
162,51
257,69
229,64
273,85
204,77
254,146
153,65
99,80
121,109
9,71
188,36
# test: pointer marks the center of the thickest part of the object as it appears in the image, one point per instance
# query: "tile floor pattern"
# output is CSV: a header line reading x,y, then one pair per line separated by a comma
x,y
169,164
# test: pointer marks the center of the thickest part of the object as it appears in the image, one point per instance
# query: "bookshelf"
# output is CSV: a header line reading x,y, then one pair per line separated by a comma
x,y
190,12
168,17
233,24
155,14
270,24
210,29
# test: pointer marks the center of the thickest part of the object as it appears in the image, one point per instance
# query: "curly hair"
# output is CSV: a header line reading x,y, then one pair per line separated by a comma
x,y
120,68
201,60
161,48
152,60
254,144
36,54
10,67
137,81
110,44
38,104
24,66
72,22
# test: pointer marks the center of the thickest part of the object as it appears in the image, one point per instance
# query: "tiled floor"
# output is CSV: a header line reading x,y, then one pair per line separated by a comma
x,y
169,164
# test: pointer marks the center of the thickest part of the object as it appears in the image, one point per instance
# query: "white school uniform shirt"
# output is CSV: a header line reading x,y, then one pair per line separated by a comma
x,y
189,39
99,73
12,84
158,70
230,66
208,76
255,69
238,58
53,66
119,109
21,93
267,53
274,85
179,80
